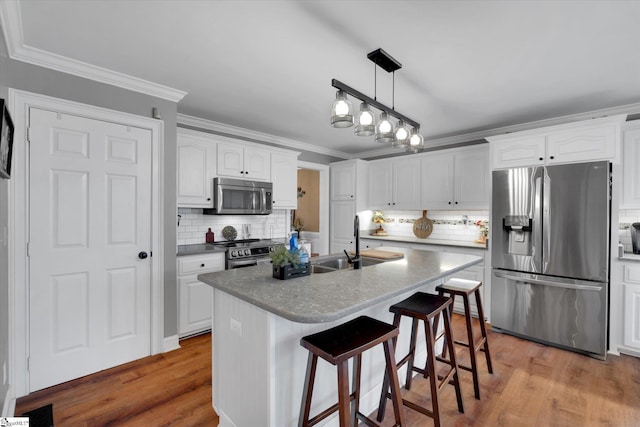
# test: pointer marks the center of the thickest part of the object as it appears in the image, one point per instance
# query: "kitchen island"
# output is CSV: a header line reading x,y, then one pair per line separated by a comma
x,y
258,364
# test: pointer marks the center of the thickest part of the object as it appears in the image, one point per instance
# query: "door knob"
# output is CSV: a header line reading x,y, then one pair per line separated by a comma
x,y
142,255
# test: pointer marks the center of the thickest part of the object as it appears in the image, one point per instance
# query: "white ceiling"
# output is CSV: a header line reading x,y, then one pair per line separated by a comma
x,y
266,66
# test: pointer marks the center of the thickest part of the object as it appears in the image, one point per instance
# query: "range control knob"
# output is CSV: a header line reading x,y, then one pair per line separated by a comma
x,y
271,249
233,253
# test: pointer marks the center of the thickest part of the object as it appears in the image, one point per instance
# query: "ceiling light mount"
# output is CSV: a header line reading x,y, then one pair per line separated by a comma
x,y
385,61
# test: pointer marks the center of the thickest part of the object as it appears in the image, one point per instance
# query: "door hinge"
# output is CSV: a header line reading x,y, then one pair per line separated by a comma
x,y
28,134
28,363
28,248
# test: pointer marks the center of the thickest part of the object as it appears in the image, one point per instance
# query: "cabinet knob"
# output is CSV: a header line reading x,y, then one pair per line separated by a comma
x,y
351,196
449,202
201,265
456,203
142,255
551,157
389,204
208,199
394,203
541,159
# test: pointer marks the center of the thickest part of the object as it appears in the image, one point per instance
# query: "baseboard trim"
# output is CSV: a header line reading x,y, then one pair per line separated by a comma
x,y
171,343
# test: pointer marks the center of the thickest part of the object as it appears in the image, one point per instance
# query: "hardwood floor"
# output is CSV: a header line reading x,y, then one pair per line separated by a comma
x,y
532,385
170,389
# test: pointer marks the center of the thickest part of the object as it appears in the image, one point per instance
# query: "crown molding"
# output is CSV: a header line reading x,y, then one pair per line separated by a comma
x,y
11,21
251,135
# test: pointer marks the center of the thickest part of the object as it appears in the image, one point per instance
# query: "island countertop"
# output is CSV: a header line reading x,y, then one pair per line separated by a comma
x,y
320,298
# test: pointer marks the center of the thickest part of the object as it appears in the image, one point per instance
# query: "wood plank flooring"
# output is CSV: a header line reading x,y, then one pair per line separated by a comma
x,y
532,385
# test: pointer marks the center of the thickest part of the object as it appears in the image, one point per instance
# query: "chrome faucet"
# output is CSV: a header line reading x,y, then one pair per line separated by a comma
x,y
355,260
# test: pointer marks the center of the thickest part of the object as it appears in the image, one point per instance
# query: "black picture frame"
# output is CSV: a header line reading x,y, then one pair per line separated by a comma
x,y
6,140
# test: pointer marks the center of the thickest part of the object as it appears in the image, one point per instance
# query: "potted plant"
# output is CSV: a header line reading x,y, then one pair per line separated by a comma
x,y
484,230
378,218
287,265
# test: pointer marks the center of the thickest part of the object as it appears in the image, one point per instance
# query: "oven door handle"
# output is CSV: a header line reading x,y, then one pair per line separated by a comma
x,y
242,262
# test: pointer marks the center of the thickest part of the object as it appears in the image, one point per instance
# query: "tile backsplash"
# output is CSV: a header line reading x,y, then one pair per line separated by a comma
x,y
447,225
627,217
192,225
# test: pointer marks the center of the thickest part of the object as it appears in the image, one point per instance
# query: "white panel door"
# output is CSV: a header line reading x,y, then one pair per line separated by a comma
x,y
90,217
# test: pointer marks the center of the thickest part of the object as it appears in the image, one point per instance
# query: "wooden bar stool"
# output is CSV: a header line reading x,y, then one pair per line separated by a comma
x,y
464,288
337,345
426,307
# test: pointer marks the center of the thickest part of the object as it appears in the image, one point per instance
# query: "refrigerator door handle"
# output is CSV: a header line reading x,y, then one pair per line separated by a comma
x,y
556,284
537,227
546,230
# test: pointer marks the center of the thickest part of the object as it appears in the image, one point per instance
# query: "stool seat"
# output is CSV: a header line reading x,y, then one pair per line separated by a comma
x,y
460,285
348,339
337,345
464,288
427,308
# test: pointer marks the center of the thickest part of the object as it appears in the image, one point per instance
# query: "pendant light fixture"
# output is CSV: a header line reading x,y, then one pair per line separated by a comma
x,y
366,121
342,111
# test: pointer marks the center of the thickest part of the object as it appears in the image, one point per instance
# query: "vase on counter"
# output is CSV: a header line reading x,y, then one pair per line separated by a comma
x,y
209,236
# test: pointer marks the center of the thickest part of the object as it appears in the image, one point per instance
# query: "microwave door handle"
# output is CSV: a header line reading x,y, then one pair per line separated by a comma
x,y
263,205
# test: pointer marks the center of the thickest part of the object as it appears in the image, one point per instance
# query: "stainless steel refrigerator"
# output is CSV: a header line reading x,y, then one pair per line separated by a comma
x,y
550,254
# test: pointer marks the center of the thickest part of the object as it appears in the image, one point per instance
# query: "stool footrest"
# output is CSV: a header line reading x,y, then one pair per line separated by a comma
x,y
330,410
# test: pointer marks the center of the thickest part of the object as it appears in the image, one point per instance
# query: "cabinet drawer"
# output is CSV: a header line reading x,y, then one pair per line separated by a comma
x,y
631,273
200,263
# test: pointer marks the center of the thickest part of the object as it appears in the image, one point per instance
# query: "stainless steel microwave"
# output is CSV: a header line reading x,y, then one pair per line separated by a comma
x,y
240,197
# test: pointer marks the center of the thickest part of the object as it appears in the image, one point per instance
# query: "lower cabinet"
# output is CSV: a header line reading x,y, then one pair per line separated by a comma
x,y
631,277
195,308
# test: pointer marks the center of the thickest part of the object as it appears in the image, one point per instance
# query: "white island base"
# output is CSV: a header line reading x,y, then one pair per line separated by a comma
x,y
259,366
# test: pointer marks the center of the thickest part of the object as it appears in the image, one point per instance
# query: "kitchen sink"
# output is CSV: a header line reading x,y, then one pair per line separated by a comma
x,y
335,264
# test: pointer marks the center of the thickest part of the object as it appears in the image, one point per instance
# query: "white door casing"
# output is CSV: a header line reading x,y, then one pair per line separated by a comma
x,y
90,213
19,231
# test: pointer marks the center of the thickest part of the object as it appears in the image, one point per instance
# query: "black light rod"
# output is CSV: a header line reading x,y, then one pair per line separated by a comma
x,y
362,97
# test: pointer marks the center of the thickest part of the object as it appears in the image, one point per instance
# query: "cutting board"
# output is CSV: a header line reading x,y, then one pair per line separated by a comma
x,y
372,253
423,226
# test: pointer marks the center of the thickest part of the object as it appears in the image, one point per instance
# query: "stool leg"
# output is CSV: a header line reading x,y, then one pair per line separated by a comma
x,y
431,366
355,404
412,353
443,354
382,406
392,374
472,346
483,329
310,377
452,352
343,394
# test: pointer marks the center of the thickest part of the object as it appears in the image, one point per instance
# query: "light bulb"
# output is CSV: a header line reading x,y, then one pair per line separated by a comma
x,y
342,108
385,126
366,118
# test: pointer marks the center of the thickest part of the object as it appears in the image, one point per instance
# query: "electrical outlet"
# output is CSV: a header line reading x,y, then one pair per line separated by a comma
x,y
236,327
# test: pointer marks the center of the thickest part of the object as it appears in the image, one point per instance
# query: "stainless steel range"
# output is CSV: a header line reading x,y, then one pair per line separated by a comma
x,y
248,252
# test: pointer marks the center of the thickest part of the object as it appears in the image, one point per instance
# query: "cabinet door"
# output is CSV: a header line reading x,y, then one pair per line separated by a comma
x,y
437,181
343,181
342,216
632,315
631,170
257,164
380,185
284,175
518,152
472,175
196,169
406,184
196,310
230,160
582,145
370,243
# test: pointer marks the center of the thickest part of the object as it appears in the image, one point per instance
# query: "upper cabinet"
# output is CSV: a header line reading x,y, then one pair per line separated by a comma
x,y
631,171
284,175
349,182
576,142
456,179
196,163
246,162
394,184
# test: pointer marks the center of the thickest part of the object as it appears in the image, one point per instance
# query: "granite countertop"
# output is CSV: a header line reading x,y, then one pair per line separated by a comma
x,y
203,248
630,256
326,297
427,241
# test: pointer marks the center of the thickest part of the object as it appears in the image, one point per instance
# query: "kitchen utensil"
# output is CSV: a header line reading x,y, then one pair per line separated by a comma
x,y
229,233
423,227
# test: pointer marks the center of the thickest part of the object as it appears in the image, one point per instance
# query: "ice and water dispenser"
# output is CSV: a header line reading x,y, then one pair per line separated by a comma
x,y
517,233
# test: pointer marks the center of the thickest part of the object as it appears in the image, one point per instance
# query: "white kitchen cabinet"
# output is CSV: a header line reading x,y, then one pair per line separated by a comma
x,y
369,243
631,277
237,160
342,217
456,179
349,181
395,184
195,309
284,176
196,168
571,143
631,169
